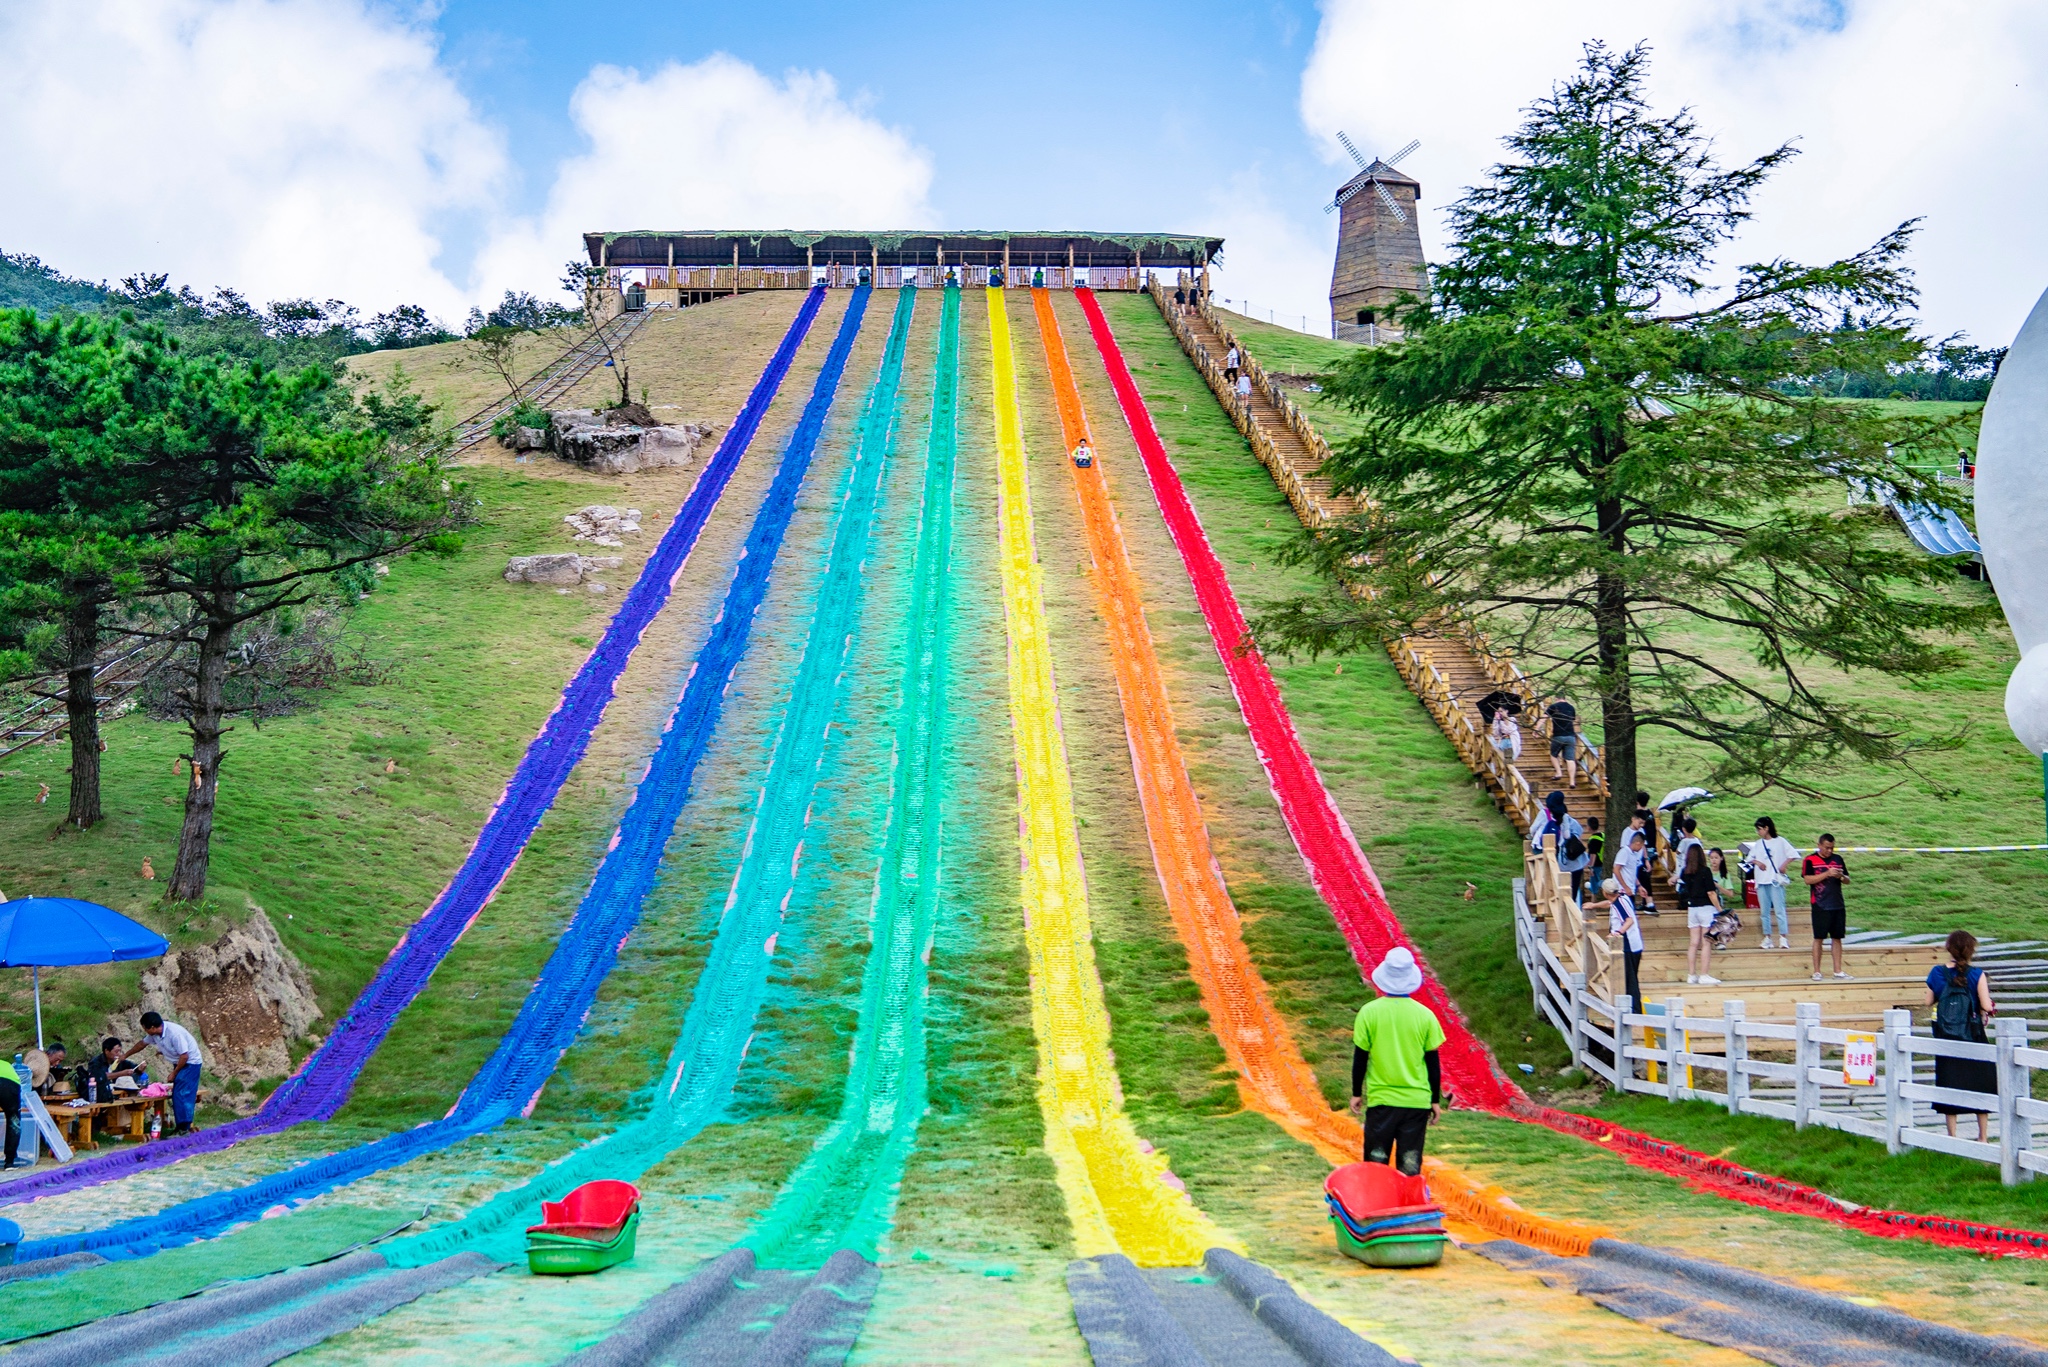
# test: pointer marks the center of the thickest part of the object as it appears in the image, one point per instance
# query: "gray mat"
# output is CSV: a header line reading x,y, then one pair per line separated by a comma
x,y
48,1267
730,1311
298,1327
1230,1312
109,1339
821,1324
1769,1320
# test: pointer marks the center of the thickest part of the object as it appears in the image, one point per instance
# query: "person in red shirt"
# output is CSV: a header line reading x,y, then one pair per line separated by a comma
x,y
1824,873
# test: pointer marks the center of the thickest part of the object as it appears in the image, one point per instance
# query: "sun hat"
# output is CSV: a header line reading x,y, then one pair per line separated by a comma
x,y
1397,975
126,1084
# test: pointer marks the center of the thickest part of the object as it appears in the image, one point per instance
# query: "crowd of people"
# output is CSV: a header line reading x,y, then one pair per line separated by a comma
x,y
109,1076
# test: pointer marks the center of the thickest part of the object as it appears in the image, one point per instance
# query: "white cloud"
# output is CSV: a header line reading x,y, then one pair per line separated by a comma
x,y
714,144
1901,109
284,147
1276,265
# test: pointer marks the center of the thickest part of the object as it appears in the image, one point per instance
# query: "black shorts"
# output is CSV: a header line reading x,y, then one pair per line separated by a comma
x,y
1831,925
1395,1134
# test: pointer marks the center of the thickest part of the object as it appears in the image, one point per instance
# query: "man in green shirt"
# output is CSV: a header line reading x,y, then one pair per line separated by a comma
x,y
1395,1073
10,1107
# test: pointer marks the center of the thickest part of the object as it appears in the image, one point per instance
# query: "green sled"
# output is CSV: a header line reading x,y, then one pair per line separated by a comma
x,y
1395,1250
556,1255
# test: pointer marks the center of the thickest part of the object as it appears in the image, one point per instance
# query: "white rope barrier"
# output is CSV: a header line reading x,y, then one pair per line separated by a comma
x,y
1933,849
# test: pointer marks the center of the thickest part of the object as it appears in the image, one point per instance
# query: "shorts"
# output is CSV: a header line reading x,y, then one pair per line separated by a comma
x,y
1395,1134
1701,918
1565,747
1830,924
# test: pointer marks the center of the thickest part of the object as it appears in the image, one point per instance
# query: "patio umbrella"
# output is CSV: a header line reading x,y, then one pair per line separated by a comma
x,y
51,932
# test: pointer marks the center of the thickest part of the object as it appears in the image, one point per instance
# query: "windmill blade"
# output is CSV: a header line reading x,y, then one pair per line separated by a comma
x,y
1404,152
1349,191
1356,155
1388,200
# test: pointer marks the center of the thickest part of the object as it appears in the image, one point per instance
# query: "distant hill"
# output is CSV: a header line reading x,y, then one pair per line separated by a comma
x,y
25,282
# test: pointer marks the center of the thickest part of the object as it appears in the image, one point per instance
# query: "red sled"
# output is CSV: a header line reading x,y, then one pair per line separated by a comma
x,y
1375,1191
596,1211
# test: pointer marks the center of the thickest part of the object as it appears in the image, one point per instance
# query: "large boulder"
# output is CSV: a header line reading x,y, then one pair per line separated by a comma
x,y
563,569
604,445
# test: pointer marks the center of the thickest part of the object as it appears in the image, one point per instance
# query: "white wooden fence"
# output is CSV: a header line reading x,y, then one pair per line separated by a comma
x,y
1795,1071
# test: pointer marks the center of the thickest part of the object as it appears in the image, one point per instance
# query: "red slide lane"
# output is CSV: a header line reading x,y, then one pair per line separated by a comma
x,y
1345,881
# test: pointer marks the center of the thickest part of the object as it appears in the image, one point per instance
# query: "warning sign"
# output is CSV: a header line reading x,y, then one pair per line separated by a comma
x,y
1859,1061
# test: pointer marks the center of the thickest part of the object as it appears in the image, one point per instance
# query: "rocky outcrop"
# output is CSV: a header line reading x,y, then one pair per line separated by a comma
x,y
245,996
606,447
603,525
563,569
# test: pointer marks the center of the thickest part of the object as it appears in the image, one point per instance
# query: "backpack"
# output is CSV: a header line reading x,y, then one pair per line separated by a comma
x,y
1955,1013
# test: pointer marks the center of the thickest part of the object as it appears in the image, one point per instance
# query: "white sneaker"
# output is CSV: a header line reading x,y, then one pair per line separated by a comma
x,y
1766,944
1816,977
1692,977
1708,981
1784,943
1845,977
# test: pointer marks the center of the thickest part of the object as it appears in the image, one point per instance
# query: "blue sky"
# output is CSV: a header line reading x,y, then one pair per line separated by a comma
x,y
388,151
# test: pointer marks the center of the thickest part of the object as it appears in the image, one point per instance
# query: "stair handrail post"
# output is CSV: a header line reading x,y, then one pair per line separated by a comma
x,y
1624,1033
1898,1070
1577,984
1806,1057
2015,1131
1674,1012
1736,1052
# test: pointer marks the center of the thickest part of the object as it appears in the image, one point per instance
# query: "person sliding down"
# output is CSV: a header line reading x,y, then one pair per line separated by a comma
x,y
1395,1072
1084,455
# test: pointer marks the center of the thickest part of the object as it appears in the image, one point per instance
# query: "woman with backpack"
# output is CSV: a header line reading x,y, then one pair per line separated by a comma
x,y
1702,903
1572,854
1961,998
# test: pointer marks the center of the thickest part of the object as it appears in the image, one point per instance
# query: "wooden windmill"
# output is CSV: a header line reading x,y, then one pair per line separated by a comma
x,y
1379,248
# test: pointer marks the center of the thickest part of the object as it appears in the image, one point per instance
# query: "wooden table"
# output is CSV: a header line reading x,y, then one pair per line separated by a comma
x,y
78,1121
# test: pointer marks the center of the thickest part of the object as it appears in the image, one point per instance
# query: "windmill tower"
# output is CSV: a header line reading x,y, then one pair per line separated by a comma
x,y
1379,249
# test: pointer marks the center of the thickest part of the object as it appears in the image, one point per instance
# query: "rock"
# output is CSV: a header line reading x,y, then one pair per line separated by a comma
x,y
608,446
245,996
603,524
559,568
529,439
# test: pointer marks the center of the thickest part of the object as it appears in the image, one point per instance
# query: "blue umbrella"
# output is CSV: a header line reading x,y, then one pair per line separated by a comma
x,y
49,932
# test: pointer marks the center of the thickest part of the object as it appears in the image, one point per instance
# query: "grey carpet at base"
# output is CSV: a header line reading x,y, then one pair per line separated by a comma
x,y
730,1312
48,1267
1230,1312
251,1323
1770,1320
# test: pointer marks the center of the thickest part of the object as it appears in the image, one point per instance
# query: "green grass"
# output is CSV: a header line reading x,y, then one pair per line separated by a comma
x,y
339,853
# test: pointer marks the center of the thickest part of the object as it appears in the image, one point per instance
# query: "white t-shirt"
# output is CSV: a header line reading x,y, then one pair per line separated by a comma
x,y
1230,358
176,1040
1621,914
1767,859
1626,865
1244,386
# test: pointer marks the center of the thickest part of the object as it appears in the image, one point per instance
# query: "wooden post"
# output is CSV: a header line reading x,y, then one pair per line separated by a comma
x,y
1006,263
874,265
1898,1070
1737,1053
1806,1057
1070,265
1624,1066
2015,1131
1674,1073
735,267
811,264
604,252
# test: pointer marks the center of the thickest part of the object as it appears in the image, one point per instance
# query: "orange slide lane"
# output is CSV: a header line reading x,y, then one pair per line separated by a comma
x,y
1273,1078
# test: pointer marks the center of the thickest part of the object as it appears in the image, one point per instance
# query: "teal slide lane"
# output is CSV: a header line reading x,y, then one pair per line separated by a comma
x,y
844,1193
704,1065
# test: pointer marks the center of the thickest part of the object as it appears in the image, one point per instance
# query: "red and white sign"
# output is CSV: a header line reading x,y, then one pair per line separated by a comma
x,y
1859,1061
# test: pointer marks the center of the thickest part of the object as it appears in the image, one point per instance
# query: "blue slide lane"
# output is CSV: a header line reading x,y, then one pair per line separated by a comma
x,y
705,1062
555,1009
323,1082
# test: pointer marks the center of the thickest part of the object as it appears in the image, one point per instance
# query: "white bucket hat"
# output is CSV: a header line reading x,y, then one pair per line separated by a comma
x,y
1397,975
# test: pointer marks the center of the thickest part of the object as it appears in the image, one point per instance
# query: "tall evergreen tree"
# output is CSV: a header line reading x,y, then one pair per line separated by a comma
x,y
1585,450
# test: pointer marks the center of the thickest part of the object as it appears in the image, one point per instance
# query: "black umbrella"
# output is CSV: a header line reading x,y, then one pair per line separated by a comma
x,y
1497,702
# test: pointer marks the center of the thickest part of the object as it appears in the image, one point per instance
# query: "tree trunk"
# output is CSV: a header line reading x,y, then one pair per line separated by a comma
x,y
1617,705
81,706
209,703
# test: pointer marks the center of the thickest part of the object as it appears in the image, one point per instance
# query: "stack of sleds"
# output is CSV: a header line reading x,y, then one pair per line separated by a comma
x,y
588,1230
1384,1219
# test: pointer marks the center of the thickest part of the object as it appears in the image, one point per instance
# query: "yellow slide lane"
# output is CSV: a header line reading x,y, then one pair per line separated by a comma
x,y
1120,1195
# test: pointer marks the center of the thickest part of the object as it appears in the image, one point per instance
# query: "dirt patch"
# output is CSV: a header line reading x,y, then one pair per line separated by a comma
x,y
245,996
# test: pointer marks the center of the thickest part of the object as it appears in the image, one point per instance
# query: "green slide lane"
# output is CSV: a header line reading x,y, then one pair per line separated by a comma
x,y
844,1194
